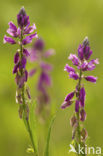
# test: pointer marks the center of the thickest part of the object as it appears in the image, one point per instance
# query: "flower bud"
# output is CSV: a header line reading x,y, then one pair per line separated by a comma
x,y
16,58
22,18
77,106
84,134
82,115
86,41
20,112
73,120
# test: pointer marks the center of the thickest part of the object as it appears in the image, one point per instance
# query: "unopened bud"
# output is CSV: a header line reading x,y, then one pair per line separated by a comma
x,y
84,134
28,92
20,112
27,112
82,115
86,41
73,121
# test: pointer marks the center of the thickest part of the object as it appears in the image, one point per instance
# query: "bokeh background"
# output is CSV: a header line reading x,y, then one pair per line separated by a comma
x,y
63,25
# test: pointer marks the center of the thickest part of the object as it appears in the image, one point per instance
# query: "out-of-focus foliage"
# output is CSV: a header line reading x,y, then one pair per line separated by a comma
x,y
63,25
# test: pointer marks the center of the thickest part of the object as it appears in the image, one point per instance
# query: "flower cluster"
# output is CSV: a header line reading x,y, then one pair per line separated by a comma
x,y
38,55
83,64
21,36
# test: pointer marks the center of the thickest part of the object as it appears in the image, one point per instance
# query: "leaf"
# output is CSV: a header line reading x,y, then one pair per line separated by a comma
x,y
46,153
32,121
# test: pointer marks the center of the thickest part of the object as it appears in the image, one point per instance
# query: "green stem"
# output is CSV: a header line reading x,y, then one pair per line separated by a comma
x,y
23,98
78,118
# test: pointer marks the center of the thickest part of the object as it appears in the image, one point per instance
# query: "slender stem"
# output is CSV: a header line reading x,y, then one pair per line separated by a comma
x,y
78,135
23,98
78,118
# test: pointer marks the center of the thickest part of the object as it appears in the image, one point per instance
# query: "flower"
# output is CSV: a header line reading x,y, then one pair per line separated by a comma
x,y
82,64
91,79
77,106
69,69
9,40
82,97
20,58
74,59
82,115
69,96
39,55
73,76
66,104
22,18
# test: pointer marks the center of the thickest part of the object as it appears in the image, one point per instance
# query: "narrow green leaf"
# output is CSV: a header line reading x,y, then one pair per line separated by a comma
x,y
46,153
32,121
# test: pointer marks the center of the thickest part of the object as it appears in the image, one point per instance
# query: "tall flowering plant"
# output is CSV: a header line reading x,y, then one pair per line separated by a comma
x,y
22,36
82,64
39,56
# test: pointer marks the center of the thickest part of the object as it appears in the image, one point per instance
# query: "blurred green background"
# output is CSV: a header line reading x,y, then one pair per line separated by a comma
x,y
63,25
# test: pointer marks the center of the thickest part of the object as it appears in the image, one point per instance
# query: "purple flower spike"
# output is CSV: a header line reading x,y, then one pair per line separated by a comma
x,y
74,59
73,76
82,97
82,115
9,40
69,69
16,58
69,96
91,79
66,104
77,106
83,65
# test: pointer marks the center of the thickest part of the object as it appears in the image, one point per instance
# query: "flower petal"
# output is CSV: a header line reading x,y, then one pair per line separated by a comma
x,y
77,106
16,58
69,96
82,115
49,52
29,30
26,52
66,104
9,40
91,79
32,72
73,76
82,97
69,69
74,59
